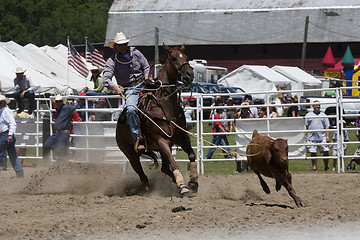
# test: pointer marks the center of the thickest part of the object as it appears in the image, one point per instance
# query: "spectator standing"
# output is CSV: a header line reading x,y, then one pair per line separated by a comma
x,y
99,88
101,116
317,137
219,101
230,113
130,68
8,139
82,105
74,118
189,116
292,110
345,137
254,111
61,130
23,89
357,125
243,113
218,127
262,112
273,111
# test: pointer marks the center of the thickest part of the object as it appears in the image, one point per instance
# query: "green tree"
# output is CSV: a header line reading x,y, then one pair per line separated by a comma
x,y
44,22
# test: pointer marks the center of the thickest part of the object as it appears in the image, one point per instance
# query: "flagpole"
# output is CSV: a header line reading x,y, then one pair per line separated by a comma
x,y
68,69
86,60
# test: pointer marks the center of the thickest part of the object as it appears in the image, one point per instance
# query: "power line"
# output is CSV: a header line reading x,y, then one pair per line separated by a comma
x,y
331,31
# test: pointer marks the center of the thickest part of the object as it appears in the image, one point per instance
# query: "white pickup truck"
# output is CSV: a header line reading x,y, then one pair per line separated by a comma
x,y
350,105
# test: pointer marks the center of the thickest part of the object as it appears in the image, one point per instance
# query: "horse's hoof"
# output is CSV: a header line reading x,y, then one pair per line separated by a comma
x,y
144,187
193,186
184,190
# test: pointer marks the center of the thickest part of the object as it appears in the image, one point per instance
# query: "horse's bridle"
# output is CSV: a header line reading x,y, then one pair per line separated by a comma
x,y
178,69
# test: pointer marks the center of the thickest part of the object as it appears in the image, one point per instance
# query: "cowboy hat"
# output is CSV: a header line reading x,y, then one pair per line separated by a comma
x,y
94,68
118,39
60,98
19,70
3,98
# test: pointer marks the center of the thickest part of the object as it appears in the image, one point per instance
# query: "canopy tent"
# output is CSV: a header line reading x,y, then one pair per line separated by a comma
x,y
254,78
46,66
300,79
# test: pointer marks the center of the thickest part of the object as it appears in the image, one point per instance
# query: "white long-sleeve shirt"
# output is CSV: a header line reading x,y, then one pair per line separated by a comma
x,y
7,120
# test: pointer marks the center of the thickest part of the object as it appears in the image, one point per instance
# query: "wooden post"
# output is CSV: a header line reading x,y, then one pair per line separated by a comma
x,y
303,56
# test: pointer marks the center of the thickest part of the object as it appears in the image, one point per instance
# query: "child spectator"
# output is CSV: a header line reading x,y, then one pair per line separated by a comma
x,y
218,127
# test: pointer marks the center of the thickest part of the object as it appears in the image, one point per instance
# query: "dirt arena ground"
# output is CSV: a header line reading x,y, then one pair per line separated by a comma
x,y
87,201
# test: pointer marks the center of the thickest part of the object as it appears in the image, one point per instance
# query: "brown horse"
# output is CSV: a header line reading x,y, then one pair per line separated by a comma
x,y
161,132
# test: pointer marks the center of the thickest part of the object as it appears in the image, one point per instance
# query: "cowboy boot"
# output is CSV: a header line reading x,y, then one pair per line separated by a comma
x,y
139,145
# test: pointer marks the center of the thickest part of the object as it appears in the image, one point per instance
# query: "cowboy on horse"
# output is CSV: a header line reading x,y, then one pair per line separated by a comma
x,y
130,68
162,117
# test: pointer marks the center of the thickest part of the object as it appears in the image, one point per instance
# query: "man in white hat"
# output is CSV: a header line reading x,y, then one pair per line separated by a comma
x,y
99,88
23,89
62,127
7,138
130,68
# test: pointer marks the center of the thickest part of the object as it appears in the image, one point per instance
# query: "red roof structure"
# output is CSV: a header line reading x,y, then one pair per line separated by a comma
x,y
329,58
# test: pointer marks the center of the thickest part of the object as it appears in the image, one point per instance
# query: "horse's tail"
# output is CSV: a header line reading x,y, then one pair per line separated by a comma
x,y
153,156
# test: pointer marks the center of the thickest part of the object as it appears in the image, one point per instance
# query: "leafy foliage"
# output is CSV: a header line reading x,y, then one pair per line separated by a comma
x,y
44,22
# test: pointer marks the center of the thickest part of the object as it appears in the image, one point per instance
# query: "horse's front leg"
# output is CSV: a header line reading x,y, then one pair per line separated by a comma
x,y
165,151
185,144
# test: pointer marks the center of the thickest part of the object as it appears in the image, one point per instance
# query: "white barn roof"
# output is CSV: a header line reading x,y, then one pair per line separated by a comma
x,y
204,22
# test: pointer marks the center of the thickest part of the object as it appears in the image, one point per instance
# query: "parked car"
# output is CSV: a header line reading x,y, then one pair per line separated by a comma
x,y
189,94
237,99
214,88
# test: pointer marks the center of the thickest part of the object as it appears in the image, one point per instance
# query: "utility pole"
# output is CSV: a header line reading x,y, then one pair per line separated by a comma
x,y
156,45
303,56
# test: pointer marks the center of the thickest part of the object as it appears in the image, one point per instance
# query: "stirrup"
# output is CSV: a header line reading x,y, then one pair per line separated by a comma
x,y
139,148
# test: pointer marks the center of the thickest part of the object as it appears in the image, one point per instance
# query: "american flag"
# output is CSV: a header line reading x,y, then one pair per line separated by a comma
x,y
94,57
75,60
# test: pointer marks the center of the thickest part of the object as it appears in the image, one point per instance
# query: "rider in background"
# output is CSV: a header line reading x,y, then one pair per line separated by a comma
x,y
130,68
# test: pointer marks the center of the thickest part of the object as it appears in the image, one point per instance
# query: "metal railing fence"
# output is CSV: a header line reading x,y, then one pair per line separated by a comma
x,y
85,132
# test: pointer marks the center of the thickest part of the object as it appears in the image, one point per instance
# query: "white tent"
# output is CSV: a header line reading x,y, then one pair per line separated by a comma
x,y
300,79
254,78
46,66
